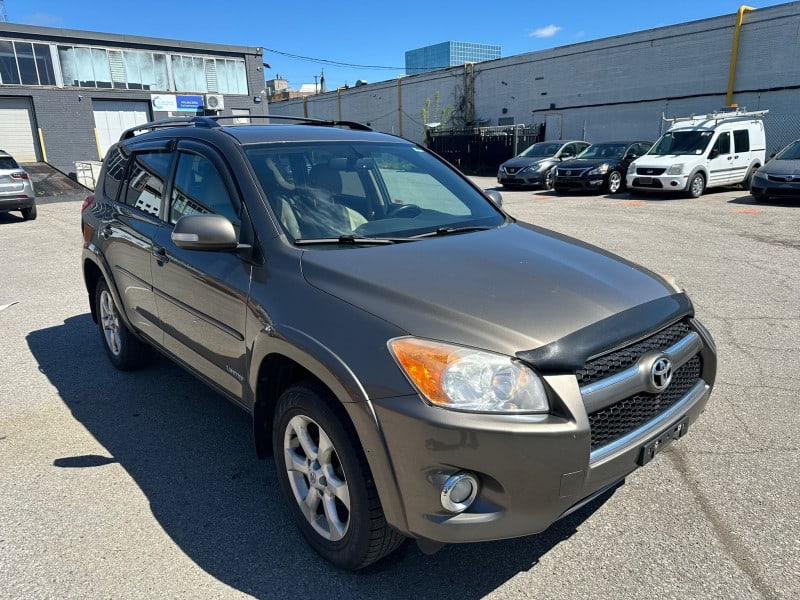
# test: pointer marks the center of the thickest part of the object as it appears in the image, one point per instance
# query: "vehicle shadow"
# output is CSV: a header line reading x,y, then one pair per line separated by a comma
x,y
190,452
748,199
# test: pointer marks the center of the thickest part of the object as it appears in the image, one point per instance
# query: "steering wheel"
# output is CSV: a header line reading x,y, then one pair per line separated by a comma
x,y
407,211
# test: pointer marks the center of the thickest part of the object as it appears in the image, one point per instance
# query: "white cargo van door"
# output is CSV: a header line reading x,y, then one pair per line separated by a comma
x,y
741,155
720,161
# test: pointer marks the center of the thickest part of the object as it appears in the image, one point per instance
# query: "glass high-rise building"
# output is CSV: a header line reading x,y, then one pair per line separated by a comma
x,y
448,54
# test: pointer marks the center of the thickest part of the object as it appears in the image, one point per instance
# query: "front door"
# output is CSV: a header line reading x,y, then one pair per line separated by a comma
x,y
202,295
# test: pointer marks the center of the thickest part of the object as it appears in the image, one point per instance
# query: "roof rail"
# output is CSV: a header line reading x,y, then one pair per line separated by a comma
x,y
165,123
726,112
300,121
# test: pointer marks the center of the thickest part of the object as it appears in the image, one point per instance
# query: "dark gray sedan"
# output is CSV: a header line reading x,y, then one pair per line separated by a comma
x,y
534,165
780,177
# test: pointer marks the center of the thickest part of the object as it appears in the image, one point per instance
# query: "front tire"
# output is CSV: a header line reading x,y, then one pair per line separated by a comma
x,y
325,480
614,182
697,184
549,178
125,350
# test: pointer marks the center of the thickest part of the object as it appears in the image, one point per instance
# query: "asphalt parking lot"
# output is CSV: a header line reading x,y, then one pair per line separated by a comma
x,y
145,485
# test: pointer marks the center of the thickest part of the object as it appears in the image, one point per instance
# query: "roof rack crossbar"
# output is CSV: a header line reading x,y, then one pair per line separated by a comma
x,y
165,123
300,120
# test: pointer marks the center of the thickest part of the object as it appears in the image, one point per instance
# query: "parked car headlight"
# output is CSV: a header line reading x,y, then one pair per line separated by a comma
x,y
533,168
599,170
676,169
471,380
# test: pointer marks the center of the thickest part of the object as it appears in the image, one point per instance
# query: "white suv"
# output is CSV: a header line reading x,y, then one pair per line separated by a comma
x,y
698,152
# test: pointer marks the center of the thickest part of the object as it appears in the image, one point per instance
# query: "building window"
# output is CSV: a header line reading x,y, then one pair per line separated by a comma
x,y
28,63
25,63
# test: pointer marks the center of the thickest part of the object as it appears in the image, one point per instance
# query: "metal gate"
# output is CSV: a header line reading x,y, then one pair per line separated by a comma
x,y
480,151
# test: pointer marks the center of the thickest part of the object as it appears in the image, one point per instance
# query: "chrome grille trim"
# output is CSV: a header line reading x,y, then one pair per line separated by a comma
x,y
605,392
649,429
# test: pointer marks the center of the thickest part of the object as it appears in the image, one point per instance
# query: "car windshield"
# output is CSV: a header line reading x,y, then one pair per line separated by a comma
x,y
682,142
791,152
541,149
357,190
604,151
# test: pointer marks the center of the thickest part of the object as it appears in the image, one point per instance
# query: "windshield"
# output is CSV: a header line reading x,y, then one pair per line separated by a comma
x,y
791,152
541,149
682,142
358,190
604,151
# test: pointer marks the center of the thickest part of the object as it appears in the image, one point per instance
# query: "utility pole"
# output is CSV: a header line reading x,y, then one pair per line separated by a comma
x,y
3,13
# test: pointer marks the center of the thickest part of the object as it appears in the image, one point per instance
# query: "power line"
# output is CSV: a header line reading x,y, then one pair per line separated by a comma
x,y
325,61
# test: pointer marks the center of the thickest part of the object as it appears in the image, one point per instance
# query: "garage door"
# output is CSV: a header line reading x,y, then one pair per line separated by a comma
x,y
16,129
112,117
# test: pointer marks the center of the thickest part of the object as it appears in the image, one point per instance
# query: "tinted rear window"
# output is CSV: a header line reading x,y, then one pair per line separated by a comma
x,y
6,162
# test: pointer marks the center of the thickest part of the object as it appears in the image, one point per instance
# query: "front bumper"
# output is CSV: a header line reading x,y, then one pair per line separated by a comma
x,y
588,183
532,469
521,179
657,183
780,186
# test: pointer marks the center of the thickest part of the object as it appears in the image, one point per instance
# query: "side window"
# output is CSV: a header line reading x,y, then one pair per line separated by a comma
x,y
741,140
723,143
145,189
199,188
115,164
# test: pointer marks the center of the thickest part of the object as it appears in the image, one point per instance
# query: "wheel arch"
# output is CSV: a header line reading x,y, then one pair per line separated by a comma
x,y
282,364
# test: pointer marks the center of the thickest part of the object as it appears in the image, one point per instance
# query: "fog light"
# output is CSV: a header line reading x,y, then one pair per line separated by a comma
x,y
459,492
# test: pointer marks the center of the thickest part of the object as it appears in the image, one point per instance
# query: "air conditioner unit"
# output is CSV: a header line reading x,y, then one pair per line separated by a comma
x,y
215,101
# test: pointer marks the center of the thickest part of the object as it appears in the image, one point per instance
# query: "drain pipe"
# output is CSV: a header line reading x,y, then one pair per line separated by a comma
x,y
735,52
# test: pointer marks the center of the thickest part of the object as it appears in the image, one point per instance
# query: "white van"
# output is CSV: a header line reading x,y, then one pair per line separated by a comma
x,y
698,152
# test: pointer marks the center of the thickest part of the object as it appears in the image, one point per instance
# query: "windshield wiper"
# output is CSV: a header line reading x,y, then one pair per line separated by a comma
x,y
351,240
450,230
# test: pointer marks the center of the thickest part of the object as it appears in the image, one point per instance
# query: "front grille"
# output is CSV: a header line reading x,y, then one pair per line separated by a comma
x,y
648,171
511,170
784,178
619,360
652,183
617,420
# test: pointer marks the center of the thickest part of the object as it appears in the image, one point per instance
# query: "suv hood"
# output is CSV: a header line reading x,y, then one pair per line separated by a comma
x,y
510,289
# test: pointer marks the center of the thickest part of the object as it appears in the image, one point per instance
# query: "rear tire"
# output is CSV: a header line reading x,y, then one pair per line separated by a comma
x,y
125,351
326,482
748,179
29,214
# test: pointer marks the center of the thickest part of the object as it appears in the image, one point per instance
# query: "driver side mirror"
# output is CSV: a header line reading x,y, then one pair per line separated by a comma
x,y
713,154
494,196
565,155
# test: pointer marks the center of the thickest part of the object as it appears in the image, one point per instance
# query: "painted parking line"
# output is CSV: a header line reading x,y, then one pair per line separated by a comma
x,y
748,211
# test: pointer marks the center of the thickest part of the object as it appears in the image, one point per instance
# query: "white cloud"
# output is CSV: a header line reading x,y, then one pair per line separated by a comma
x,y
545,32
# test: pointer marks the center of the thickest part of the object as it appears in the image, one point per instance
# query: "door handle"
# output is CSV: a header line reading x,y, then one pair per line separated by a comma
x,y
160,254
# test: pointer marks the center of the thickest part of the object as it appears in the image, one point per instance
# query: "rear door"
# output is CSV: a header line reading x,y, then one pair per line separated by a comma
x,y
202,296
741,154
129,222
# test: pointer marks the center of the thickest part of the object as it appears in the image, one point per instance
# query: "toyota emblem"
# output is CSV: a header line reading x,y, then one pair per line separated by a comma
x,y
661,373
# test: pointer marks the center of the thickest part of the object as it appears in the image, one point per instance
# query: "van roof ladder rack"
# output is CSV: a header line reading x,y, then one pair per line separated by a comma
x,y
726,112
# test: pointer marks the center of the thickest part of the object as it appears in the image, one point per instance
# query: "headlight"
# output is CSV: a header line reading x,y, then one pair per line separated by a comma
x,y
599,170
533,168
465,379
675,169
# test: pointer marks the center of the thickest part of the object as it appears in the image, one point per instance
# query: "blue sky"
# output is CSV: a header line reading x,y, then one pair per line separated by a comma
x,y
366,34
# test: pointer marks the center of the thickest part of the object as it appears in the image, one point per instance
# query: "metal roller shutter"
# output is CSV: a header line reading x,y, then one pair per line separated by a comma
x,y
16,129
